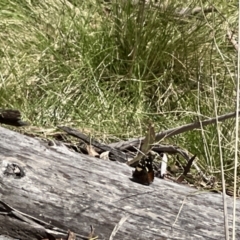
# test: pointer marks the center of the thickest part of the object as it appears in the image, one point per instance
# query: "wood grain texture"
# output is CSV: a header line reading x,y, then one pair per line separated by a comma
x,y
73,191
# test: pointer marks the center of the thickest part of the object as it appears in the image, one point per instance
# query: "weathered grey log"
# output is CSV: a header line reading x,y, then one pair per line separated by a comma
x,y
67,190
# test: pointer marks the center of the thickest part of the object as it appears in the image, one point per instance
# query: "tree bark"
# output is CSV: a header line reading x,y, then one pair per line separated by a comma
x,y
46,190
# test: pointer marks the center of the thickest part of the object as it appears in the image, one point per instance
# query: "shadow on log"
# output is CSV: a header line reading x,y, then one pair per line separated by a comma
x,y
45,190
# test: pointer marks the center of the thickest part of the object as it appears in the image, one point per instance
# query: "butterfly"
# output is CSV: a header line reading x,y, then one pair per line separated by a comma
x,y
143,172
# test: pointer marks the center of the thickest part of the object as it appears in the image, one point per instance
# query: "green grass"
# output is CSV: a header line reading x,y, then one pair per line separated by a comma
x,y
72,63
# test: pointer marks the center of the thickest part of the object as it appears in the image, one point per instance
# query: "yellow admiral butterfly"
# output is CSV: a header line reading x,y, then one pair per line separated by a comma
x,y
144,173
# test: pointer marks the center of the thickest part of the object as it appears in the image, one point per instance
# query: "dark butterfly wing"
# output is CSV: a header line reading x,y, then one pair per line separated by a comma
x,y
144,173
150,176
150,172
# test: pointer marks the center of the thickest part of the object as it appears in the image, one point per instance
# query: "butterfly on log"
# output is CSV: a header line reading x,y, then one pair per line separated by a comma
x,y
143,172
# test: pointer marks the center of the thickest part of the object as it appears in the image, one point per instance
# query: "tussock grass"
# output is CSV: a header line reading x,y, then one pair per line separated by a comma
x,y
76,63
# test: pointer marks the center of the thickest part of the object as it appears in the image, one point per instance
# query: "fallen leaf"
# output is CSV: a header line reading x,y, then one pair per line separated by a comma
x,y
105,155
163,164
71,235
91,151
146,146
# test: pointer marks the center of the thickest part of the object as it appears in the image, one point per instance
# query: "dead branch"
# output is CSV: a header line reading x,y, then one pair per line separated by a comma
x,y
173,149
117,154
186,169
191,126
174,131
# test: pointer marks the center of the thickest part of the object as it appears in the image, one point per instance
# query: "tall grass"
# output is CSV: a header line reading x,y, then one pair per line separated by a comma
x,y
112,67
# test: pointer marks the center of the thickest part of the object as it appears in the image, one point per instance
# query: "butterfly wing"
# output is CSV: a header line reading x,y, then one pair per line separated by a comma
x,y
144,173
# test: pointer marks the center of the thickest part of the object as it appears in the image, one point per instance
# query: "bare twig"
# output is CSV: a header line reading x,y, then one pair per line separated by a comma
x,y
174,131
171,149
118,225
118,155
180,209
191,126
186,169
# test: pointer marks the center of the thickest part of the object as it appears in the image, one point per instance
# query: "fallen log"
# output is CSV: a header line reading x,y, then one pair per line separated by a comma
x,y
47,190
